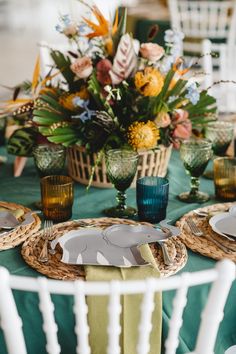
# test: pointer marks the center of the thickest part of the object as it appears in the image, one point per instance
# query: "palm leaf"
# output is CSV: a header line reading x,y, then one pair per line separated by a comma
x,y
51,99
63,63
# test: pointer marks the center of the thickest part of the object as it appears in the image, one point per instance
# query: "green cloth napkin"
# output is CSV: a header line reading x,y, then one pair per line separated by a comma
x,y
130,315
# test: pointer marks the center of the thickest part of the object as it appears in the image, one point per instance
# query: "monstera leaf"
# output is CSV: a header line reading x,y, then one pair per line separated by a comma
x,y
22,141
125,60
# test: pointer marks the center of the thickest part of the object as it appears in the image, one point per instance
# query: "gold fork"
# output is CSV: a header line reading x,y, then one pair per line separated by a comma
x,y
198,232
47,235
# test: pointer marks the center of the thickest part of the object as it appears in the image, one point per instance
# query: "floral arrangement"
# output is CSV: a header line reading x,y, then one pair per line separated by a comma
x,y
113,91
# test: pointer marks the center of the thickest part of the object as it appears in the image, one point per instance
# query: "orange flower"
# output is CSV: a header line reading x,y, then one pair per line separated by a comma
x,y
143,135
179,67
149,82
103,28
67,99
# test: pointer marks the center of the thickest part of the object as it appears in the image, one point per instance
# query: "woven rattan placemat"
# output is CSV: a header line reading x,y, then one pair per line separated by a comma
x,y
58,270
204,244
20,234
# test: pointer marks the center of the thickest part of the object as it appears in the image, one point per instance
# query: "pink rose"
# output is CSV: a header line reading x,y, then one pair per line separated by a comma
x,y
151,51
183,125
82,67
70,30
162,120
103,67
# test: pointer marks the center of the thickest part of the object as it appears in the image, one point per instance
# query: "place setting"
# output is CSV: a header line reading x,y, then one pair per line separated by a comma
x,y
210,231
62,250
17,223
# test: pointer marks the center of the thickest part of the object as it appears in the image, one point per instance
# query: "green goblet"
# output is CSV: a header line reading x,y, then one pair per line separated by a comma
x,y
221,135
121,167
195,154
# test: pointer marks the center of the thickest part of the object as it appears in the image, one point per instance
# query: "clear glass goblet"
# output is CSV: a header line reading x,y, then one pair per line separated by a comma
x,y
221,135
121,167
195,154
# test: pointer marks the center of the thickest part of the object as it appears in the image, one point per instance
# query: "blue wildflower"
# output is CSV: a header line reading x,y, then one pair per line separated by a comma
x,y
59,28
193,95
166,64
88,113
66,20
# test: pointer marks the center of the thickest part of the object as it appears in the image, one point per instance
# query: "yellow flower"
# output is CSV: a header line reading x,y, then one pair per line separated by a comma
x,y
143,135
67,99
149,82
109,45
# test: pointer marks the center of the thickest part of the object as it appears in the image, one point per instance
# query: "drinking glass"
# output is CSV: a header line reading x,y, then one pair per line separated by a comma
x,y
221,135
152,198
49,159
121,167
225,178
57,197
195,154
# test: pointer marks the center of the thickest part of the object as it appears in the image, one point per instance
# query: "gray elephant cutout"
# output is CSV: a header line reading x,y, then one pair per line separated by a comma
x,y
116,245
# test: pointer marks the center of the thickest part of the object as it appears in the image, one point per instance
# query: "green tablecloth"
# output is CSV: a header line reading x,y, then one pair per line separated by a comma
x,y
25,190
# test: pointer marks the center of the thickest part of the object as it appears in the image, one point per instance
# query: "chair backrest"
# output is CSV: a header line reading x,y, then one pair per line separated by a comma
x,y
204,19
221,79
221,277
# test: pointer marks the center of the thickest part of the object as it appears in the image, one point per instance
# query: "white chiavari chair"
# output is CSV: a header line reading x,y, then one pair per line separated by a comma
x,y
198,20
221,79
221,278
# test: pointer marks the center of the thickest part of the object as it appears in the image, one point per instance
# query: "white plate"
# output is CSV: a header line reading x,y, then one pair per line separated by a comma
x,y
224,223
232,210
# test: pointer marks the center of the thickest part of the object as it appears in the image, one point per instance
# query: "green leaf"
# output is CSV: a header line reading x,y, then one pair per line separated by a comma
x,y
180,84
64,131
43,120
120,30
95,90
22,141
49,114
63,139
52,101
167,82
63,64
157,102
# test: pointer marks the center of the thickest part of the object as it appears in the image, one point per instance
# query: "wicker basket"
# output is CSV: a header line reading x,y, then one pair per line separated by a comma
x,y
80,163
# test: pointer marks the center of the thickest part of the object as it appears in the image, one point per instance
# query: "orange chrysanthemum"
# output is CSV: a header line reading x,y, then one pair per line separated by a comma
x,y
143,135
67,99
149,82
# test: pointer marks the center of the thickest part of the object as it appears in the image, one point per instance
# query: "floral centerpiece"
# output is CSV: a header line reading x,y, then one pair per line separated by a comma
x,y
114,91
